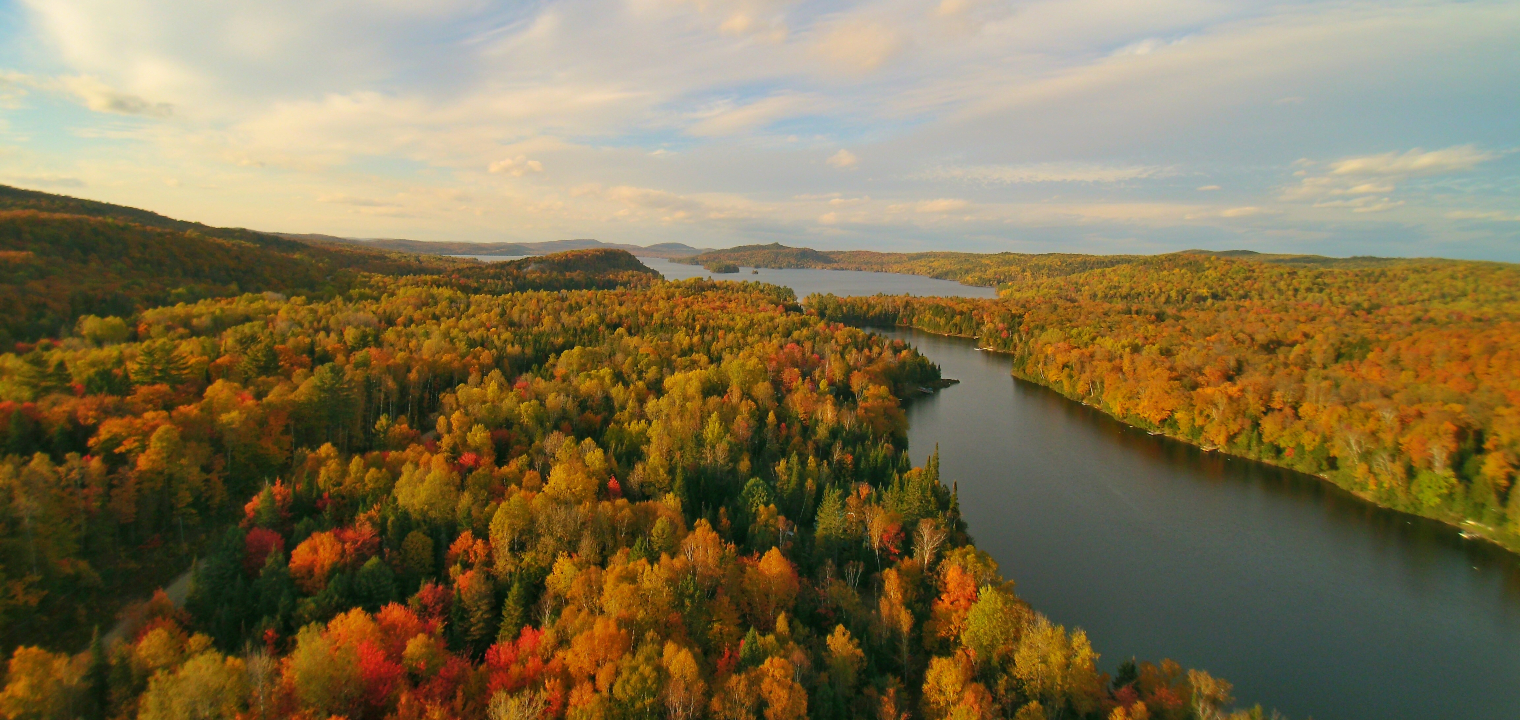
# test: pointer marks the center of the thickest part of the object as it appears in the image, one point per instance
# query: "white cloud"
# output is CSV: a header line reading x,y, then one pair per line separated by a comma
x,y
1413,162
844,159
516,167
859,46
383,102
729,120
1363,184
45,181
1047,173
1364,204
1493,215
942,205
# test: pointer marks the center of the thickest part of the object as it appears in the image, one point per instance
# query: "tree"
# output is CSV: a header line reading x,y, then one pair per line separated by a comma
x,y
685,688
1057,668
314,560
209,686
522,706
845,659
375,585
39,686
993,627
324,675
158,363
784,698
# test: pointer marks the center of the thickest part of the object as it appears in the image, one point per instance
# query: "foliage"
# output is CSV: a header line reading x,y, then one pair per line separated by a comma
x,y
1396,380
680,499
721,267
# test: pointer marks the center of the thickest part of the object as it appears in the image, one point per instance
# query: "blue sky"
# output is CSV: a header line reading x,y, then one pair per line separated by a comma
x,y
1338,128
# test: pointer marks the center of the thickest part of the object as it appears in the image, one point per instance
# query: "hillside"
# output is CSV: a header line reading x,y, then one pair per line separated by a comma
x,y
602,268
432,247
57,268
63,258
987,269
331,255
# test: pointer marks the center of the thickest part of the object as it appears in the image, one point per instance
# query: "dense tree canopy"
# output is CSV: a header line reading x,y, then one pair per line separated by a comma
x,y
1399,381
416,500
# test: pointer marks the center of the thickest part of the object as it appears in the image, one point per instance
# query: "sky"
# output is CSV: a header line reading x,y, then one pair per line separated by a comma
x,y
1103,126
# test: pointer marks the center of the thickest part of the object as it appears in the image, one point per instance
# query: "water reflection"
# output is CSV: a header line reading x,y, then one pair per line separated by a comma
x,y
1306,598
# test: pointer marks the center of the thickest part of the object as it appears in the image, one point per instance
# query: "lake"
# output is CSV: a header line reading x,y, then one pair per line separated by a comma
x,y
839,282
1309,600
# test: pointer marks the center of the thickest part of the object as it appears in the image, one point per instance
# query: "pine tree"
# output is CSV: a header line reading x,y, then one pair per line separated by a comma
x,y
158,362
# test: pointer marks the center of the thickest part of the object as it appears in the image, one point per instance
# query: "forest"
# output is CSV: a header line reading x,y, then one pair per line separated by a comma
x,y
1397,380
553,488
991,269
62,259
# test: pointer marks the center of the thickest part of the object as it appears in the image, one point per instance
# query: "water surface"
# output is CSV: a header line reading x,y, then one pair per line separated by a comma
x,y
1307,599
843,283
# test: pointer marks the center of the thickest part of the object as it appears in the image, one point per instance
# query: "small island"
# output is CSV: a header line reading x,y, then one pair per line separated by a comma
x,y
722,267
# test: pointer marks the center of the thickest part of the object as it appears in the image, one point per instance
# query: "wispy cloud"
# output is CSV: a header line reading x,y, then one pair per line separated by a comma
x,y
725,121
1047,173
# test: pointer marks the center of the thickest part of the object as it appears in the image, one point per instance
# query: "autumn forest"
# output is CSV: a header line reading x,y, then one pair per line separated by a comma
x,y
562,487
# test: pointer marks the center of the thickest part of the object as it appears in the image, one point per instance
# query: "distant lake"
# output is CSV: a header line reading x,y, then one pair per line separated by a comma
x,y
492,258
839,282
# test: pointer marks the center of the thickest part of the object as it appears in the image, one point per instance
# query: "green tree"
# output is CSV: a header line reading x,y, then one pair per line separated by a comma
x,y
158,362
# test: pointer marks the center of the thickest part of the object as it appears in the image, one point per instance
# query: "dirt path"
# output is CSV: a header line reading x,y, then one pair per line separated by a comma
x,y
177,590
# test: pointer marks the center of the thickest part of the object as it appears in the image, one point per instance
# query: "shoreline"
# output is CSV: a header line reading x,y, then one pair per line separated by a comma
x,y
1466,528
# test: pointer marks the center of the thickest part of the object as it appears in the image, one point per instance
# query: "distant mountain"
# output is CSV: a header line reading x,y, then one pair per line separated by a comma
x,y
1288,259
430,247
988,269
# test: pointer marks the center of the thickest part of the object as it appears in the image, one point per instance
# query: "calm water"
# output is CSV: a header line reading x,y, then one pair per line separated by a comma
x,y
1304,597
839,282
1307,599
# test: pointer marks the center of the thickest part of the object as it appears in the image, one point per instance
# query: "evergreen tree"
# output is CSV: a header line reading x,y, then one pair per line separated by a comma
x,y
158,362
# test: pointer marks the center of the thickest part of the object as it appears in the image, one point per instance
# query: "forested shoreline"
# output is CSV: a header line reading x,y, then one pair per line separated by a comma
x,y
553,488
1399,383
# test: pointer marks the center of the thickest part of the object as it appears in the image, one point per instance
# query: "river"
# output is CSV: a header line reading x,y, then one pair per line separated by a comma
x,y
1309,600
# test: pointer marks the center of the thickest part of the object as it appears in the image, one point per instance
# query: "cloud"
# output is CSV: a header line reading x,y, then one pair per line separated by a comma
x,y
1047,173
47,181
88,91
1056,119
1493,215
942,205
516,167
1364,178
1414,162
342,199
100,97
844,159
1240,212
859,46
1364,204
1208,188
727,119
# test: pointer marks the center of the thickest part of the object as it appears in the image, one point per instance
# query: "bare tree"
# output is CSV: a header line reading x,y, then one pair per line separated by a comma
x,y
927,541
